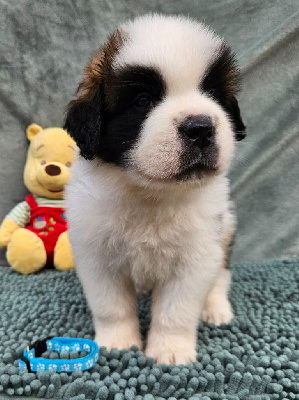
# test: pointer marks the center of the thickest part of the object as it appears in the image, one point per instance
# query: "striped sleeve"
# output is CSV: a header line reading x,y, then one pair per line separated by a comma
x,y
45,201
20,214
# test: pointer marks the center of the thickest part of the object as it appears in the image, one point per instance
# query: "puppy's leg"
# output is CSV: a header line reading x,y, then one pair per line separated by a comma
x,y
217,308
176,309
113,302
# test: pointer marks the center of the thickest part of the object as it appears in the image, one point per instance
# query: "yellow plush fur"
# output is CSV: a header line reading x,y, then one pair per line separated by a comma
x,y
25,250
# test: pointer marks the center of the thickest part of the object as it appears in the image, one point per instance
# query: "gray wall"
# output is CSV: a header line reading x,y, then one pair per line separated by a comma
x,y
46,44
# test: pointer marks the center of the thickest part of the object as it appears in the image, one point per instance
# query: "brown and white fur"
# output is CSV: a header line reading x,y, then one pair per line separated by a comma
x,y
148,203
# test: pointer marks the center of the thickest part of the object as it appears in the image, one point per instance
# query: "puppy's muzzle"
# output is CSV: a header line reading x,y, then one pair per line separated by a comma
x,y
197,131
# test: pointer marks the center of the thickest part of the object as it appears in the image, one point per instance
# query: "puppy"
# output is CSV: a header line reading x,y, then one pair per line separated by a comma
x,y
156,120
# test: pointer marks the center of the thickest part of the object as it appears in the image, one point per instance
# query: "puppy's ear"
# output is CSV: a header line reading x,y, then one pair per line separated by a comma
x,y
83,121
239,127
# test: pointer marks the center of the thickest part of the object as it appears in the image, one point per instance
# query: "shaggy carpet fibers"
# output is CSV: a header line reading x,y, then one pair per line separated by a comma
x,y
256,357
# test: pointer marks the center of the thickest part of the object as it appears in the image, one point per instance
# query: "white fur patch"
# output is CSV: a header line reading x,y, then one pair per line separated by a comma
x,y
179,47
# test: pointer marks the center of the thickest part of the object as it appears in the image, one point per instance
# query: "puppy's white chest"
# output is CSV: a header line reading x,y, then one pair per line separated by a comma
x,y
146,240
151,244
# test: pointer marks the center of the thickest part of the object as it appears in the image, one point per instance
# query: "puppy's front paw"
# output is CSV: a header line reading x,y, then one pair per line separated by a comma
x,y
217,311
119,336
171,350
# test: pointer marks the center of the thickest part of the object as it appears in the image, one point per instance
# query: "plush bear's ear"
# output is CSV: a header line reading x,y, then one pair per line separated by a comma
x,y
239,127
32,130
83,122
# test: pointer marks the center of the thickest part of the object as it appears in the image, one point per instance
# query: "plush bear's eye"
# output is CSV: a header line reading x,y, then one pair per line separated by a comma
x,y
43,162
68,164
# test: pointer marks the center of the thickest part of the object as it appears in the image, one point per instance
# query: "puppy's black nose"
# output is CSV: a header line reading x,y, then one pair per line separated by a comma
x,y
198,131
53,170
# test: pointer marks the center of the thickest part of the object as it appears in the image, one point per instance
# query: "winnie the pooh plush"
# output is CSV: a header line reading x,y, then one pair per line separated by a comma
x,y
35,231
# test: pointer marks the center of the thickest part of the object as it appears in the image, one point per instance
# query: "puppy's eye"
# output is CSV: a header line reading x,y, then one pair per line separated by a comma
x,y
144,101
68,164
43,162
213,92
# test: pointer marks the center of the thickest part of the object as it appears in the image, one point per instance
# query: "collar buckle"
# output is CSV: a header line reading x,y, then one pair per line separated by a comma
x,y
39,346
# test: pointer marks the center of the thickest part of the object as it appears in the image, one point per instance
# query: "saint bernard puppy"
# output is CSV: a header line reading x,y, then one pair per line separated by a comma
x,y
156,120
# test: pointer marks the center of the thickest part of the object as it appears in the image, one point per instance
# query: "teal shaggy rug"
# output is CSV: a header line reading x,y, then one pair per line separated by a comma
x,y
256,357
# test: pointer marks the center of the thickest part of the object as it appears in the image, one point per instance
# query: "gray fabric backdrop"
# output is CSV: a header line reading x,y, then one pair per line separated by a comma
x,y
45,45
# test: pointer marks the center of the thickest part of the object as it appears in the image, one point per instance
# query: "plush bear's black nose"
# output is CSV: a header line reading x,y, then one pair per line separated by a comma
x,y
197,131
53,170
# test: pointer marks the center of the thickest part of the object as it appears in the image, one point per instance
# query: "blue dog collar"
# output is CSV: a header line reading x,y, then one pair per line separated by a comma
x,y
33,362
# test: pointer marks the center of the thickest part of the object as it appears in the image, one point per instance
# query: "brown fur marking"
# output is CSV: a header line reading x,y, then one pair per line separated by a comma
x,y
98,68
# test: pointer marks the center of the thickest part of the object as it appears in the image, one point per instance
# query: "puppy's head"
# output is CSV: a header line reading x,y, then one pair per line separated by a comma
x,y
159,101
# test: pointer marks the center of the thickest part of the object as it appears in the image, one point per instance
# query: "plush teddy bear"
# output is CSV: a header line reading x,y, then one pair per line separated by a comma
x,y
35,231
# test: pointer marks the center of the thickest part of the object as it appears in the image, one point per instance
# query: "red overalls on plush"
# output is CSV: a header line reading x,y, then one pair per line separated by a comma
x,y
48,223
